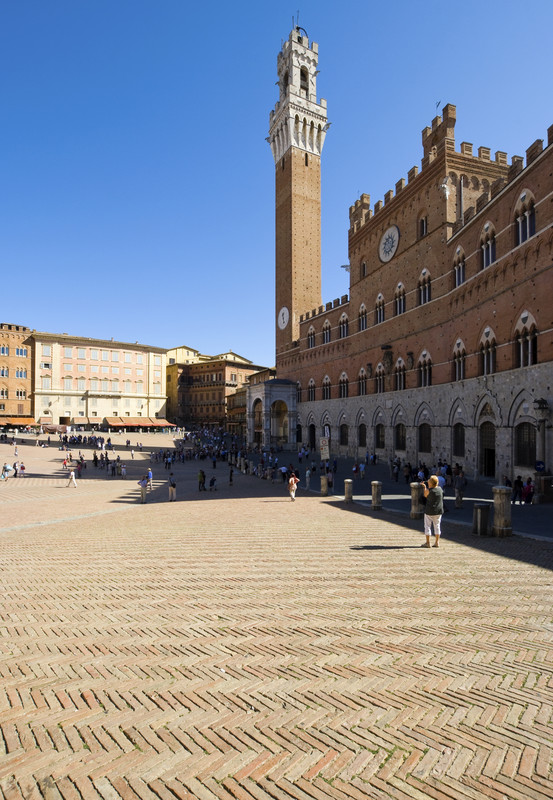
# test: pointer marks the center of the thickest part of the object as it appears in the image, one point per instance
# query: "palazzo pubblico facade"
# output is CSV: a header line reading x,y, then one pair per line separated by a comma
x,y
443,345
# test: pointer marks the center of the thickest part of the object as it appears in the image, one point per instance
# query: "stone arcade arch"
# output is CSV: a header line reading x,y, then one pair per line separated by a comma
x,y
487,420
279,423
272,414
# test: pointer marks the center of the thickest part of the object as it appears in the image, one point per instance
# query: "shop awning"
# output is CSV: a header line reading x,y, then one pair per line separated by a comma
x,y
160,423
135,422
18,421
114,422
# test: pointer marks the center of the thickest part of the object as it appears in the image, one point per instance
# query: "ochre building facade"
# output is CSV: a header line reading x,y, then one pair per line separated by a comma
x,y
16,361
442,347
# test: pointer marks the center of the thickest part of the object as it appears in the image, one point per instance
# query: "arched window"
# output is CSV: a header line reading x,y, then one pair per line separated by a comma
x,y
424,290
400,438
326,332
422,226
459,268
326,388
379,379
487,244
362,318
379,436
525,445
399,300
343,327
362,435
399,375
344,434
311,337
459,358
379,310
362,383
311,390
487,353
363,270
525,218
458,440
304,82
343,385
425,370
526,345
298,392
425,438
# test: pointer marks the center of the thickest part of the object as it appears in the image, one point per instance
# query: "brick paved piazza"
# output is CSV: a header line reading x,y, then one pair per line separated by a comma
x,y
238,645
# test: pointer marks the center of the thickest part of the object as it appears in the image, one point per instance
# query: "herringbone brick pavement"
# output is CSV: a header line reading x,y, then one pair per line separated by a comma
x,y
237,645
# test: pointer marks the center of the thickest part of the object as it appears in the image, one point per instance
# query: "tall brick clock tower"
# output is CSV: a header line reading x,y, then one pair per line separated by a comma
x,y
297,132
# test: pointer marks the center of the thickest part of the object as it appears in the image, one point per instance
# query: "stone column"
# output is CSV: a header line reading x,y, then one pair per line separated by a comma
x,y
348,490
266,433
417,510
324,486
250,427
292,428
376,495
502,511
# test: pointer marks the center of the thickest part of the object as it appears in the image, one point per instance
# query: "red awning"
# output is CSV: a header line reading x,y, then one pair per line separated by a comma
x,y
114,422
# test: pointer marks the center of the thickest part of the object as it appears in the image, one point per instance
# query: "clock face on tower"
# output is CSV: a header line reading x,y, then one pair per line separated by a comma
x,y
388,244
283,317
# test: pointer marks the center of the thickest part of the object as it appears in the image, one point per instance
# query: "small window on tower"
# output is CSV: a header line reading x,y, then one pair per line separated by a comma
x,y
304,81
306,160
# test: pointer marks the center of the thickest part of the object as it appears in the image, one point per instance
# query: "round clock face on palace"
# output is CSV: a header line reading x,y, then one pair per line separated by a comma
x,y
388,244
283,317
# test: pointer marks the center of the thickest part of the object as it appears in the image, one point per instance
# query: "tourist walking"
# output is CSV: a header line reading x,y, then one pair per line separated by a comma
x,y
143,483
172,488
293,485
72,481
459,484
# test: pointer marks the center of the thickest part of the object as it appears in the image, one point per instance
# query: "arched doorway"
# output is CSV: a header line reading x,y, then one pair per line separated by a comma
x,y
487,450
312,439
279,423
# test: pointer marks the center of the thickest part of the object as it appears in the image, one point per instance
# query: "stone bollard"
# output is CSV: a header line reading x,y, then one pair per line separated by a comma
x,y
480,518
376,495
417,509
348,490
324,486
502,511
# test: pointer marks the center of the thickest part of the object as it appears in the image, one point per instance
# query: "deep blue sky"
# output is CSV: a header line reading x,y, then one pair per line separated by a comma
x,y
136,185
